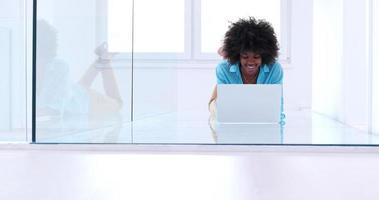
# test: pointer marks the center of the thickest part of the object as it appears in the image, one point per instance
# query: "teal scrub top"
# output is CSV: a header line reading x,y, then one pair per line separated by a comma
x,y
230,74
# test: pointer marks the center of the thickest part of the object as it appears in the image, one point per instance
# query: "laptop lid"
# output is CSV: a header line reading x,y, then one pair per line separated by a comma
x,y
248,103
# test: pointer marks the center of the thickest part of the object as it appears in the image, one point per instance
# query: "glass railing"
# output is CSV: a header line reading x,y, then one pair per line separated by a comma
x,y
13,76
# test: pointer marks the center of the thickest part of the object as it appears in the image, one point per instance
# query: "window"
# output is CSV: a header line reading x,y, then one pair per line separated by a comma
x,y
119,29
216,15
159,26
154,25
190,29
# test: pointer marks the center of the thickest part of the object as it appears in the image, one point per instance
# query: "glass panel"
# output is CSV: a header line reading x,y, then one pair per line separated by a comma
x,y
89,88
341,71
13,71
83,89
161,88
171,96
375,76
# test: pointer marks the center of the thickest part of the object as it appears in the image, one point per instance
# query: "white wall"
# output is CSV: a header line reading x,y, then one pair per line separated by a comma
x,y
298,78
341,62
155,90
13,68
355,63
327,57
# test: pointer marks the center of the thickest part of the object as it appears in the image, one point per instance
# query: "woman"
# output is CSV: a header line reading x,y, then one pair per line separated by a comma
x,y
57,95
250,51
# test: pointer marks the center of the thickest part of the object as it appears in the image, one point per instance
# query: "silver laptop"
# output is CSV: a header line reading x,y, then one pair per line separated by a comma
x,y
241,103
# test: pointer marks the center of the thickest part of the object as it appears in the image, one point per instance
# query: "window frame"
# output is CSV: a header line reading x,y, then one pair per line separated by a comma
x,y
192,37
284,39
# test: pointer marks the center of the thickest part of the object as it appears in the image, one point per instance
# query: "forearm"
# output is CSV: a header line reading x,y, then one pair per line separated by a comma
x,y
213,97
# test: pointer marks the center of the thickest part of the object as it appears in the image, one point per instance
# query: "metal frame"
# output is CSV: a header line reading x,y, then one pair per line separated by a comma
x,y
34,72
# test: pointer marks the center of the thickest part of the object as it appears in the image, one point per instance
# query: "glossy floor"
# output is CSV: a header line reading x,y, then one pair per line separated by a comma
x,y
302,127
111,175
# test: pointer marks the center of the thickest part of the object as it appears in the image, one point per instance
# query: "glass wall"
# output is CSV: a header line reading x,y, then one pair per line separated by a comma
x,y
99,67
143,71
174,66
13,66
375,65
83,92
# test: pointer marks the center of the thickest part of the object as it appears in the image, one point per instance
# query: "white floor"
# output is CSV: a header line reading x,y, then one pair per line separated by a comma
x,y
263,175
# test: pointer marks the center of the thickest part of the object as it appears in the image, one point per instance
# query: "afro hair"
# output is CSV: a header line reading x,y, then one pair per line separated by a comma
x,y
251,35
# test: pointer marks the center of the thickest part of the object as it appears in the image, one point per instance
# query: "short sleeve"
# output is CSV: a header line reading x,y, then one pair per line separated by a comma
x,y
220,74
277,74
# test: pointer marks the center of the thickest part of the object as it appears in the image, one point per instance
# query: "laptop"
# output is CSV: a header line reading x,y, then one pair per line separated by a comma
x,y
248,103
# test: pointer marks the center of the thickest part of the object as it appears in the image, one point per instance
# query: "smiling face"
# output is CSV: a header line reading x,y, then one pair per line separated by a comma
x,y
250,62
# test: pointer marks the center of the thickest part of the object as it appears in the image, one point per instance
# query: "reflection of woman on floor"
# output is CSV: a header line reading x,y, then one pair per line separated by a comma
x,y
58,96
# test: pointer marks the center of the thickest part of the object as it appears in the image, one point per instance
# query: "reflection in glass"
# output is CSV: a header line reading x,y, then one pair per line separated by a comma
x,y
79,87
14,36
246,133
